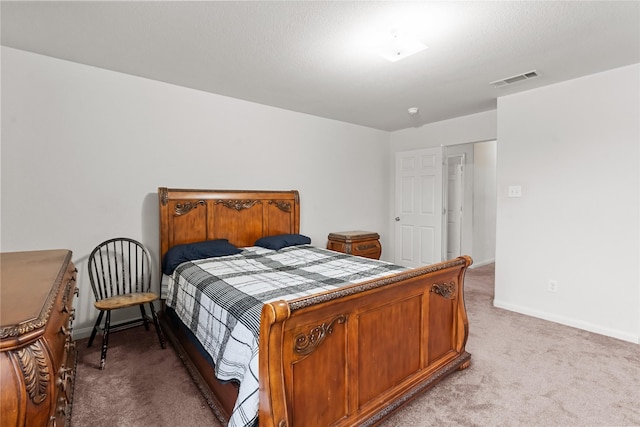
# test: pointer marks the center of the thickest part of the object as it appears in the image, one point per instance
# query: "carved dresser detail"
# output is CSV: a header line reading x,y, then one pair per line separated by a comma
x,y
37,354
360,243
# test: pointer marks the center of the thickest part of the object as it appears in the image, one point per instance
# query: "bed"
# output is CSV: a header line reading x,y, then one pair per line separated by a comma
x,y
341,355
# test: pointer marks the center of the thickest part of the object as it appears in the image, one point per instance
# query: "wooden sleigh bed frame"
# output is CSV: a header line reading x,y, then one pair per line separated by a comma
x,y
340,358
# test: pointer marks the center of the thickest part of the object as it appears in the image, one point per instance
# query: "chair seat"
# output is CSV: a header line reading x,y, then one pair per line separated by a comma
x,y
123,301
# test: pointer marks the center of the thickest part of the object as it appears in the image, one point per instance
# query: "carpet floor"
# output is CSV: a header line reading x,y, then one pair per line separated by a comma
x,y
142,385
524,372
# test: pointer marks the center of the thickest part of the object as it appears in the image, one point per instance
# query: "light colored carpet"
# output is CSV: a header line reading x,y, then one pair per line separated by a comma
x,y
530,372
142,385
524,372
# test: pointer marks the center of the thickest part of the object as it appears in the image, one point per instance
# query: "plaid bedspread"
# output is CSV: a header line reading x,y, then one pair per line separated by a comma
x,y
221,299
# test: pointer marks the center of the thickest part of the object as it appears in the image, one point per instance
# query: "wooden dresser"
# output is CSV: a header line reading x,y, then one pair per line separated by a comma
x,y
37,354
360,243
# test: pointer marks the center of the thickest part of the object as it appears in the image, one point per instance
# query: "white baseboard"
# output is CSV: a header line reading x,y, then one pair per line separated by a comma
x,y
79,334
613,333
482,263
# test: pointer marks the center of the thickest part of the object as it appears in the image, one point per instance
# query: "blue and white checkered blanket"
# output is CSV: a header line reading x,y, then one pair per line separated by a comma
x,y
221,299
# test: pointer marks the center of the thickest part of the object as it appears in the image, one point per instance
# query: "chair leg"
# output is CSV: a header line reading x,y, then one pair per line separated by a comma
x,y
145,319
157,325
105,340
95,328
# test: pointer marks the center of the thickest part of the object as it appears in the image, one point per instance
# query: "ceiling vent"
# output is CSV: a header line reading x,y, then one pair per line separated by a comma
x,y
515,79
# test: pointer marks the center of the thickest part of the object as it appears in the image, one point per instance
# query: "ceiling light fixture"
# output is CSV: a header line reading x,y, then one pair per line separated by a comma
x,y
396,46
413,111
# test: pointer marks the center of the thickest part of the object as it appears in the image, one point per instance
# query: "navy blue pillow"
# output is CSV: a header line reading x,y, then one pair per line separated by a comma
x,y
192,251
282,241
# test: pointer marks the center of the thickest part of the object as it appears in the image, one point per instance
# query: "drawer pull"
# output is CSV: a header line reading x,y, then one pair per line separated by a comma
x,y
66,375
62,407
69,345
64,372
364,247
72,312
62,383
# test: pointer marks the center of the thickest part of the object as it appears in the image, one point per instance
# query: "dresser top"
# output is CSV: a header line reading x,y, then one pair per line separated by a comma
x,y
26,281
353,236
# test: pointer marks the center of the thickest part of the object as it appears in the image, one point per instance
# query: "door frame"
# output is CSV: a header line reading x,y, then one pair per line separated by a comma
x,y
445,201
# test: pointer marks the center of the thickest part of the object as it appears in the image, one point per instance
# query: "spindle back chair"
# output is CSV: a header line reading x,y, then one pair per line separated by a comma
x,y
120,276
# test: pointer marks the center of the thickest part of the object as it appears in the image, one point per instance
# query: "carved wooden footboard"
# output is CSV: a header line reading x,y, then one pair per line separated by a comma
x,y
352,356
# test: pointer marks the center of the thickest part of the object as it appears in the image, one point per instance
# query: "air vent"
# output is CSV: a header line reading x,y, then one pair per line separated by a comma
x,y
515,79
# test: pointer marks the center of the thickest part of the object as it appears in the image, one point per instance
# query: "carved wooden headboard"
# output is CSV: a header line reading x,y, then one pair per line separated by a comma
x,y
242,217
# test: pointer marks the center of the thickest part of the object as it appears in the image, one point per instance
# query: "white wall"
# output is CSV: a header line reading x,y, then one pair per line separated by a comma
x,y
462,130
574,148
85,149
484,202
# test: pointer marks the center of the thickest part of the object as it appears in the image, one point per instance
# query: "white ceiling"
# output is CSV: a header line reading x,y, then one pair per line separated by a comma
x,y
309,56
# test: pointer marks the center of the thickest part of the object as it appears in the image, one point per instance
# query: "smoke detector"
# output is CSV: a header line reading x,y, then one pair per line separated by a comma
x,y
514,79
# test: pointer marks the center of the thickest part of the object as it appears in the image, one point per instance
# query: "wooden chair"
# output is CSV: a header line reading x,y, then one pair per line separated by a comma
x,y
120,275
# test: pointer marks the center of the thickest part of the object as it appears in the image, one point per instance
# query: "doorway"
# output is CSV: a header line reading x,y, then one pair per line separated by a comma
x,y
457,233
454,207
465,198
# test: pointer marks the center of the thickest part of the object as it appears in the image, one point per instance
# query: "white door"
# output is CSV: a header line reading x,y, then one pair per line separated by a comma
x,y
418,207
454,204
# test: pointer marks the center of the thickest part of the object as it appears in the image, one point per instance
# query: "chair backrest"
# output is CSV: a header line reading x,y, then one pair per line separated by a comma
x,y
119,266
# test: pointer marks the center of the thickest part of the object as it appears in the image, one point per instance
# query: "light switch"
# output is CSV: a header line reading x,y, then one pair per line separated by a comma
x,y
515,191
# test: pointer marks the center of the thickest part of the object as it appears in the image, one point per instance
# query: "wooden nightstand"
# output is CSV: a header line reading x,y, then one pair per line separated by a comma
x,y
360,243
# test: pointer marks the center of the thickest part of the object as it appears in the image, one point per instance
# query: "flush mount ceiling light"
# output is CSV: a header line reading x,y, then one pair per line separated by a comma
x,y
398,45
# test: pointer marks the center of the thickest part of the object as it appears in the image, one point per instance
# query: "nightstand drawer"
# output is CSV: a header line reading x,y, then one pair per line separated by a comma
x,y
360,243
